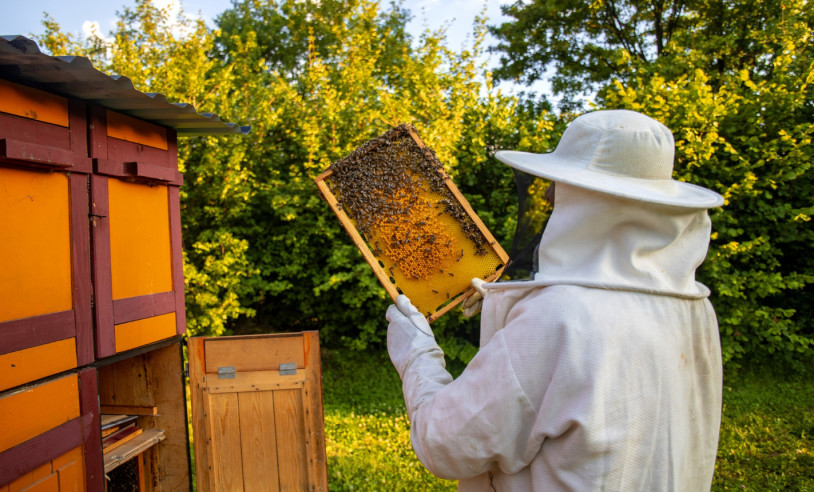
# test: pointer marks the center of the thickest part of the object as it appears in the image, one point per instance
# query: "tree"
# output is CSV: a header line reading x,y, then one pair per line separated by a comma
x,y
588,42
734,82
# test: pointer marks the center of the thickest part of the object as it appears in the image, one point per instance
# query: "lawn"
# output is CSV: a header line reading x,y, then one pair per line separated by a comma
x,y
766,435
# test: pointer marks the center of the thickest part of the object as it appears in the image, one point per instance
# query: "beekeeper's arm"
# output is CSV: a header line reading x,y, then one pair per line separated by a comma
x,y
465,427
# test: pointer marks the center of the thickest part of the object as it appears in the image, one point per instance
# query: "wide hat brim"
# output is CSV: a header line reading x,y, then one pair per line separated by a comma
x,y
659,191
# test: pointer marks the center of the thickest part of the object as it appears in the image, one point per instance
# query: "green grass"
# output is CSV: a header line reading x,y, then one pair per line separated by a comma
x,y
366,428
767,434
765,442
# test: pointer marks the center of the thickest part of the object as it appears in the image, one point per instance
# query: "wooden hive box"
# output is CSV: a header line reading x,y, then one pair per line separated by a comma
x,y
92,385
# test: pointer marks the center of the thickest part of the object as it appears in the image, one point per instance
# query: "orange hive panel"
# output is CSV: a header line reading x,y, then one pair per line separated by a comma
x,y
35,244
411,223
140,254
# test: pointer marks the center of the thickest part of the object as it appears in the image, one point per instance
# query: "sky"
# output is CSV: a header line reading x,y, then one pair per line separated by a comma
x,y
78,17
25,16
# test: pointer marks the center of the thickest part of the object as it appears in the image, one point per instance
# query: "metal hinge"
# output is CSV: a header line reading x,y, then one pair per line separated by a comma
x,y
288,369
226,372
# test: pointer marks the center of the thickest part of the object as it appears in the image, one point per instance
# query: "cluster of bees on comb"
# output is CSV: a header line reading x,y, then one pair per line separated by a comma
x,y
395,192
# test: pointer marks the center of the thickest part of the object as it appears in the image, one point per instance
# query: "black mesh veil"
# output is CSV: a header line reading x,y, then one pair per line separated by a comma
x,y
533,210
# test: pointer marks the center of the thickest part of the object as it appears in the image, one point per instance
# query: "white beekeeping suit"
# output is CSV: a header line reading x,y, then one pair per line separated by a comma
x,y
604,371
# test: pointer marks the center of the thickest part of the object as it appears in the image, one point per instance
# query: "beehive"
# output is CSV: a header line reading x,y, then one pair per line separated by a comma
x,y
412,225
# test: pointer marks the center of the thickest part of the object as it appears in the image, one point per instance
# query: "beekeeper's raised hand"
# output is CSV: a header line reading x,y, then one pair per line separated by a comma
x,y
473,303
409,334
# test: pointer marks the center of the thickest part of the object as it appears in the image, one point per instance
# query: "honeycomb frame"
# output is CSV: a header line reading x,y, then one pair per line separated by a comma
x,y
439,225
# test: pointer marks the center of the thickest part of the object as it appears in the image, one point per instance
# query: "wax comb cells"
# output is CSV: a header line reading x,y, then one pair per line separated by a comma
x,y
410,221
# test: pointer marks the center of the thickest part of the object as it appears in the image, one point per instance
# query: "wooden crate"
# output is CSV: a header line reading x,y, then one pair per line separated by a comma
x,y
257,413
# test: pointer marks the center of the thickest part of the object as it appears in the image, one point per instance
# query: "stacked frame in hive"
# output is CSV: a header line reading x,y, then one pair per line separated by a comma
x,y
411,223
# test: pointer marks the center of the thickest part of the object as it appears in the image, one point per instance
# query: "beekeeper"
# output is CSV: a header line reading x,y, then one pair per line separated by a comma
x,y
603,372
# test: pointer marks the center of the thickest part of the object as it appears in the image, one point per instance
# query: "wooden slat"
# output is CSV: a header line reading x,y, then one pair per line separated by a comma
x,y
139,444
224,424
123,151
177,249
33,103
124,440
36,362
146,306
102,283
44,447
195,348
93,477
38,409
255,381
291,436
77,114
42,156
258,441
315,423
138,171
253,354
80,264
129,409
37,330
144,331
135,130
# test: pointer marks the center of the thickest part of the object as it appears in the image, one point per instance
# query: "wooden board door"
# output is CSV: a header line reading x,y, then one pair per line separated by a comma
x,y
257,413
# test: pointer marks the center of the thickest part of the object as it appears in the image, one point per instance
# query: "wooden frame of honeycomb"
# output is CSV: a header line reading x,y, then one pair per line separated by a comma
x,y
410,222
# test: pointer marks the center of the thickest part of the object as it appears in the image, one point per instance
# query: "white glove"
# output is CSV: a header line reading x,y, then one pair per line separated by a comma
x,y
473,303
408,335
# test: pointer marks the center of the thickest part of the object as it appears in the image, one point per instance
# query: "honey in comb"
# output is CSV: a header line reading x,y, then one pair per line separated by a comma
x,y
382,182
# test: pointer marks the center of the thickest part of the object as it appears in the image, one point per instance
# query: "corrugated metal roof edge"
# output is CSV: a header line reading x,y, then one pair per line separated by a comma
x,y
75,76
